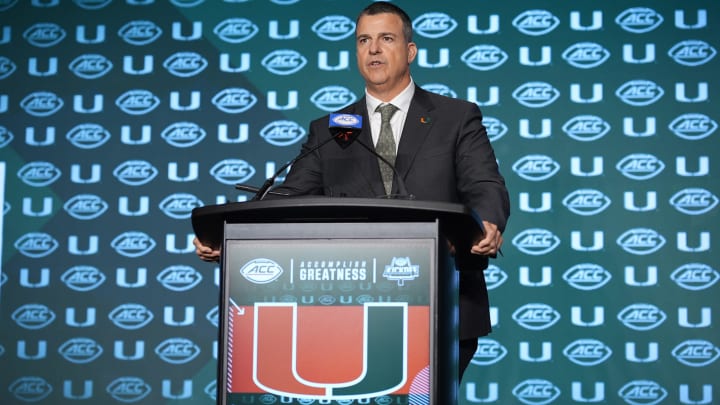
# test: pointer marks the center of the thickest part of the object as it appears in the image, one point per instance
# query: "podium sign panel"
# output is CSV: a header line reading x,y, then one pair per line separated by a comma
x,y
329,312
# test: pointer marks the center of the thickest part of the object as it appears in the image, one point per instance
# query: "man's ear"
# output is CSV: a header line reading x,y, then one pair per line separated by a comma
x,y
412,52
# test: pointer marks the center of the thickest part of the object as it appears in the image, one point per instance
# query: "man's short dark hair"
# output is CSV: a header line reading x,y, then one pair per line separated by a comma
x,y
380,7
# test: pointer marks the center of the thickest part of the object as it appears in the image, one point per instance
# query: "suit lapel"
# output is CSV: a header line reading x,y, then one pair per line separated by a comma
x,y
417,127
368,162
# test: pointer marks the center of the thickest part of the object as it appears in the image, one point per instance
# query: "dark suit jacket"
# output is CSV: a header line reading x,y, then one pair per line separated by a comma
x,y
444,155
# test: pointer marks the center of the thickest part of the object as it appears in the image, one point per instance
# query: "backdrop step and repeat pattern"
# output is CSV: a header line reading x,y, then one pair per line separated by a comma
x,y
117,117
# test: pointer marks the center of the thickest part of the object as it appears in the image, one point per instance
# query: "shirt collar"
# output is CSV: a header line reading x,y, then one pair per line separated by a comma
x,y
401,101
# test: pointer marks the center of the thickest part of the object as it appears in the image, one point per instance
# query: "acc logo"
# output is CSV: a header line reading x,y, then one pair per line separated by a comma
x,y
640,166
7,67
234,100
30,389
495,128
587,276
33,316
284,62
586,201
692,52
696,353
332,98
92,4
535,94
536,392
130,316
137,102
44,35
641,241
536,316
282,133
484,57
535,22
694,201
185,64
83,278
536,167
639,20
133,244
488,352
261,271
642,392
90,66
135,172
41,103
128,389
36,244
639,92
39,174
440,89
213,316
334,27
586,128
183,134
494,276
179,278
187,3
695,276
236,30
693,127
139,32
434,25
232,171
586,55
80,350
536,241
587,352
641,316
5,137
85,206
88,136
180,205
401,270
177,350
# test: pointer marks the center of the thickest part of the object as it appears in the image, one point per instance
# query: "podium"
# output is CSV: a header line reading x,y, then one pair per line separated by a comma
x,y
338,299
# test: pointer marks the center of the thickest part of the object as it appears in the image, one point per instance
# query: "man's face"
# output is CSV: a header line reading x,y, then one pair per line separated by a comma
x,y
383,55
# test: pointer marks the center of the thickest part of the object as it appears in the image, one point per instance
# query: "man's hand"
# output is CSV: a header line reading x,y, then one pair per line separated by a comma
x,y
205,252
490,244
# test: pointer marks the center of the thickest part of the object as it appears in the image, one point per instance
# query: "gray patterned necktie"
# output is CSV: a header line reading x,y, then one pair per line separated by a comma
x,y
386,145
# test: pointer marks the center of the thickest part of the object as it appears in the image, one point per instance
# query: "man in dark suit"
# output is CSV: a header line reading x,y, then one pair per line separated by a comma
x,y
439,146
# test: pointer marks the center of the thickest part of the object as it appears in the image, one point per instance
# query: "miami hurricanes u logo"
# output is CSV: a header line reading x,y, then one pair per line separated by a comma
x,y
330,353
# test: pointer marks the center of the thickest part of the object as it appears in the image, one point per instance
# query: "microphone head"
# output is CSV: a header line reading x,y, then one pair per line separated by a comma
x,y
345,128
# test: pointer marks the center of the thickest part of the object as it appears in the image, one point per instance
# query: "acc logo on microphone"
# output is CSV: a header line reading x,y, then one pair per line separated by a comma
x,y
695,276
183,134
693,127
90,66
536,316
232,171
41,103
85,206
5,137
44,35
639,92
334,27
494,277
7,67
177,350
434,25
80,350
33,316
587,352
692,53
535,22
236,30
641,316
586,55
185,64
128,389
261,271
536,241
88,136
180,205
484,57
30,389
130,316
282,133
696,353
284,62
536,392
587,276
234,100
332,98
536,94
694,201
488,352
639,20
135,172
133,244
179,278
641,241
495,128
642,392
536,167
83,278
586,202
36,244
39,174
137,102
586,128
640,166
139,32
